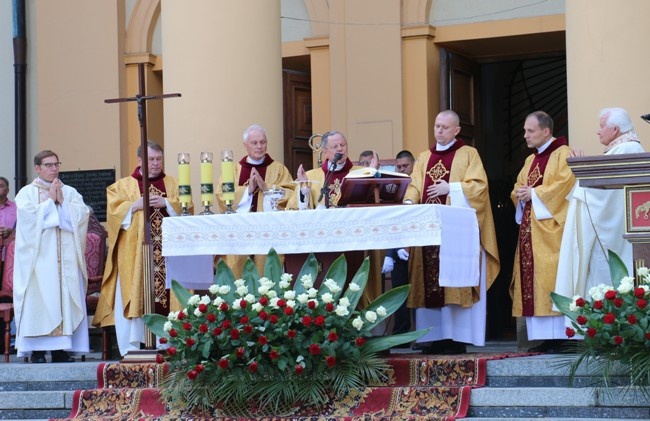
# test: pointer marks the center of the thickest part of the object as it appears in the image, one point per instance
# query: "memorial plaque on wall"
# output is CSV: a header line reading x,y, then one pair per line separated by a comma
x,y
91,184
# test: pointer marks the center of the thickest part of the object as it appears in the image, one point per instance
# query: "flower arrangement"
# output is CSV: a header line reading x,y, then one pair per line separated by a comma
x,y
258,346
614,323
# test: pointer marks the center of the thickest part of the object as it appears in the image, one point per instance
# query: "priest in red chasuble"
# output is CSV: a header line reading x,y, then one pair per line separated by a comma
x,y
451,173
255,173
121,301
539,196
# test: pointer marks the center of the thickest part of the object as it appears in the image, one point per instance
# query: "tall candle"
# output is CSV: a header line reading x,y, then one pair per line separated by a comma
x,y
207,189
227,176
184,185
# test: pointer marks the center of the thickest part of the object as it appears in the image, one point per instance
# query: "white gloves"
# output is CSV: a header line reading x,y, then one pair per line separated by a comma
x,y
389,264
403,254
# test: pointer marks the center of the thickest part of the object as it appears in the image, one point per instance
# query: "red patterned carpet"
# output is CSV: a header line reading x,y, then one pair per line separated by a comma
x,y
421,387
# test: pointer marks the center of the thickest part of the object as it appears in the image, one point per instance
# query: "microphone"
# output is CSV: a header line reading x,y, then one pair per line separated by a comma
x,y
646,118
337,158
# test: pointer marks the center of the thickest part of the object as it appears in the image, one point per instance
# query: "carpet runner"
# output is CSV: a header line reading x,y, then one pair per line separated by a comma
x,y
420,387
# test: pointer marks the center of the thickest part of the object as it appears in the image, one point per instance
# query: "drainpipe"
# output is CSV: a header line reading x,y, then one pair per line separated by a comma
x,y
20,97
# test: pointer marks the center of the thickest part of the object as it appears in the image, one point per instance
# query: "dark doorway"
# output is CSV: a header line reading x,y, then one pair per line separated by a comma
x,y
296,87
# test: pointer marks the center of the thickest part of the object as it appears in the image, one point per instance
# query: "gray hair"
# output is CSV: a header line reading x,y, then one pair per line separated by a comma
x,y
617,117
253,128
329,134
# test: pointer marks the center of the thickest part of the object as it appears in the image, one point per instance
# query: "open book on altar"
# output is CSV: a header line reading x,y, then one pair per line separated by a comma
x,y
367,186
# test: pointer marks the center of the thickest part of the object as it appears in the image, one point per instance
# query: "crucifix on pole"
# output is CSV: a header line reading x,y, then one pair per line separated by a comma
x,y
147,256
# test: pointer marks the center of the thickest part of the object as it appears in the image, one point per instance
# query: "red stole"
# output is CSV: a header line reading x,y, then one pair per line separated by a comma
x,y
334,187
157,187
245,175
526,257
439,168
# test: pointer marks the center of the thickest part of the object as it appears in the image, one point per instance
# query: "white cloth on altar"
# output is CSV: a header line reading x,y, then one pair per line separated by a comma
x,y
190,242
595,223
454,322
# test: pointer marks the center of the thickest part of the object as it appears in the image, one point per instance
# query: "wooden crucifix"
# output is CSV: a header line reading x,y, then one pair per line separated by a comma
x,y
147,256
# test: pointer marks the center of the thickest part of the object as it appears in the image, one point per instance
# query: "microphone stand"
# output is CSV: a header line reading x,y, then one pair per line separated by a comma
x,y
324,190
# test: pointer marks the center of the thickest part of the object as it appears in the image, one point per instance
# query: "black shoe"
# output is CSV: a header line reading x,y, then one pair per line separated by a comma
x,y
60,356
454,348
435,347
38,357
552,346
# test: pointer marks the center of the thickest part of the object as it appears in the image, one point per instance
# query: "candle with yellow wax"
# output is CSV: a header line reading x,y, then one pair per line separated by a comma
x,y
207,188
184,186
227,176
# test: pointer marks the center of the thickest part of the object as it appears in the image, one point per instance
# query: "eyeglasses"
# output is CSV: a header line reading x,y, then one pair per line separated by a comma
x,y
51,164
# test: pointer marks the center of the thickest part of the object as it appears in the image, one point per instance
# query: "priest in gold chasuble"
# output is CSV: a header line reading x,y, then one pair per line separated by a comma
x,y
451,173
539,196
121,301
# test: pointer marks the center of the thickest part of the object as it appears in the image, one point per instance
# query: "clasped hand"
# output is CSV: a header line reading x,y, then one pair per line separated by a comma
x,y
255,182
439,188
56,191
155,201
524,194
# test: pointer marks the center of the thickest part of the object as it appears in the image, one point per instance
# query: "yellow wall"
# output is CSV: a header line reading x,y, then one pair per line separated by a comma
x,y
607,66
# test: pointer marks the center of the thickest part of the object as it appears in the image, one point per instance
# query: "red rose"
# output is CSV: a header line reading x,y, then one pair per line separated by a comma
x,y
203,328
273,319
330,361
212,318
641,303
264,301
173,333
618,340
332,337
329,307
581,320
570,333
240,352
314,349
248,329
216,331
181,315
234,334
319,320
639,292
223,307
291,333
223,363
189,342
631,319
609,318
160,359
243,304
288,311
262,340
192,375
610,295
162,340
647,336
311,304
591,332
360,341
580,302
598,305
203,308
199,368
618,302
225,324
187,326
171,351
306,321
243,320
299,369
282,303
274,355
252,367
264,315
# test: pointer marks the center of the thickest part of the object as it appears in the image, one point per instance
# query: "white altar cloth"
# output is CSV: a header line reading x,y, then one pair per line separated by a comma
x,y
189,243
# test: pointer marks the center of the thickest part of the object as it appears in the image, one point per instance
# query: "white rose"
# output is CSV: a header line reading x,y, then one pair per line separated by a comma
x,y
303,298
341,311
289,295
273,302
167,326
300,358
173,315
357,323
217,302
344,301
257,307
197,312
249,298
627,285
285,284
263,289
371,316
306,281
354,287
242,290
214,288
264,280
224,289
291,303
312,292
236,305
381,311
286,277
573,306
193,300
327,298
240,283
272,294
643,271
205,300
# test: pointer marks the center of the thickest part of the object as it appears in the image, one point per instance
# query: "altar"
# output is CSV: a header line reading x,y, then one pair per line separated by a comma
x,y
190,242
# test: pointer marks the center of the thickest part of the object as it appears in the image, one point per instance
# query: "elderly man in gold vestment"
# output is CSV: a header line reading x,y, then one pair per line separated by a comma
x,y
121,301
451,173
539,196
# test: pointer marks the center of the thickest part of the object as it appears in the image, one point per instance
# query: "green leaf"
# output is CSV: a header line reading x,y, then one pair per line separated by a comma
x,y
156,323
360,278
273,267
182,294
224,276
380,343
310,267
338,272
391,300
617,269
562,303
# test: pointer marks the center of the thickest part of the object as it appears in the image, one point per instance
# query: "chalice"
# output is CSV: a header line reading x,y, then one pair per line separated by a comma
x,y
274,194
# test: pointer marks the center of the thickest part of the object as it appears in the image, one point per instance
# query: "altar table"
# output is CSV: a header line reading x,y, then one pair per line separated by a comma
x,y
189,243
